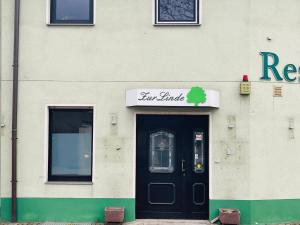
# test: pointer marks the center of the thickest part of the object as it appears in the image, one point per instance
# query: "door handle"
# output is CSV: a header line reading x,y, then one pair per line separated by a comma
x,y
183,165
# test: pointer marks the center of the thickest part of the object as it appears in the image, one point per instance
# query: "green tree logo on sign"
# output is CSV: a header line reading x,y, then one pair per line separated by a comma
x,y
196,95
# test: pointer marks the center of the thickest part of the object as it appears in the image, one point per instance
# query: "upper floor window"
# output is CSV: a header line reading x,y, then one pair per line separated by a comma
x,y
71,11
177,12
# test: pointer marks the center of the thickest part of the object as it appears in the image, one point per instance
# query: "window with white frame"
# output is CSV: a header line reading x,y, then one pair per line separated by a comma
x,y
177,12
70,144
71,11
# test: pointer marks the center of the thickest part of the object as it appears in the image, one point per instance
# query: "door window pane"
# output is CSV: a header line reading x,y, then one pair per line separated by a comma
x,y
161,152
199,152
70,144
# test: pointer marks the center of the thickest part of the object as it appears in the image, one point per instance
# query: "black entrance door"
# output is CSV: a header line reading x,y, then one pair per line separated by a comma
x,y
172,167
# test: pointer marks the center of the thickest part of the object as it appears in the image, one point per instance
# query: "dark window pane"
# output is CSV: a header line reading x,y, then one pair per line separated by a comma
x,y
71,11
176,10
71,132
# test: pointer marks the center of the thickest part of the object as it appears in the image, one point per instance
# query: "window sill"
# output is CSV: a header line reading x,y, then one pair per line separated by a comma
x,y
71,24
176,24
69,183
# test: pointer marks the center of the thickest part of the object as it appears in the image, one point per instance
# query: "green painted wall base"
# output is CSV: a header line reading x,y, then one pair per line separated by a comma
x,y
260,211
92,209
65,209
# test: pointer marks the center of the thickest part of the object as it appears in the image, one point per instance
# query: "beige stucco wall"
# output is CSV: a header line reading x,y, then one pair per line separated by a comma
x,y
274,154
96,64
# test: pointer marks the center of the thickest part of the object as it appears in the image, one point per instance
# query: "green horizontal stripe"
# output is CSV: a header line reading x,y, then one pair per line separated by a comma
x,y
276,211
261,211
92,209
65,209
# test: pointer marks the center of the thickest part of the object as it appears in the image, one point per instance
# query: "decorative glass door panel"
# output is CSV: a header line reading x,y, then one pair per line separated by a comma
x,y
161,152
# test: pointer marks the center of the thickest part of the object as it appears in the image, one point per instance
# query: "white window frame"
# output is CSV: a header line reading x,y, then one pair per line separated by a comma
x,y
48,17
46,141
197,22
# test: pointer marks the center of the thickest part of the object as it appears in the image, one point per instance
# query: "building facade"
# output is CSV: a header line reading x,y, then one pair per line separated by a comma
x,y
138,104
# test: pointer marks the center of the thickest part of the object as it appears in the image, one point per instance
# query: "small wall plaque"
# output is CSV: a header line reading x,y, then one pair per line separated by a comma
x,y
245,88
277,91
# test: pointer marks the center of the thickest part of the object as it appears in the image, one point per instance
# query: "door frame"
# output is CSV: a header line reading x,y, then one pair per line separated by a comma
x,y
209,114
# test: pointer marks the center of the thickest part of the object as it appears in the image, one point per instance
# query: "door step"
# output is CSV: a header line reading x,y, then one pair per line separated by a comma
x,y
168,222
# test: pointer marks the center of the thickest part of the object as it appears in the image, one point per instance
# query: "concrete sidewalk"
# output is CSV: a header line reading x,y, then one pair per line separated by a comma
x,y
169,222
137,222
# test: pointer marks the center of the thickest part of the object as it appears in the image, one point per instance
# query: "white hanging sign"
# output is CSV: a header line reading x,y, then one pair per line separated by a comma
x,y
194,97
